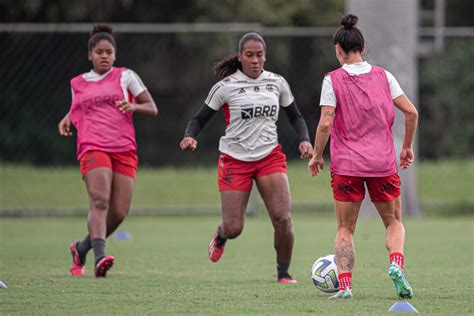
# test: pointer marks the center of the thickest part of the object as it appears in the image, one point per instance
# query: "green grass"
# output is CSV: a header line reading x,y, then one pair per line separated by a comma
x,y
445,183
165,269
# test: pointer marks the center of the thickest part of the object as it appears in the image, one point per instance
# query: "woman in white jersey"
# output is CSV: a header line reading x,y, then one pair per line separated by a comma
x,y
102,108
250,98
357,108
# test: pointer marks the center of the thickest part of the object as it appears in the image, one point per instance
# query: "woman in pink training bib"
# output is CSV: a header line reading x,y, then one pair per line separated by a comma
x,y
357,109
103,103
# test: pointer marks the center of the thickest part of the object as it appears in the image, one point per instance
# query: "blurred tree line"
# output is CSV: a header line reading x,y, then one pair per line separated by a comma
x,y
446,85
176,68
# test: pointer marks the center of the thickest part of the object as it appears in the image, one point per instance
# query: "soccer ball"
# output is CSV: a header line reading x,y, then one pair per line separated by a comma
x,y
324,274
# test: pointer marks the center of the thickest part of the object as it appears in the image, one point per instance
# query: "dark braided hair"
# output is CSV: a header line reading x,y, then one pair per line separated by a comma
x,y
101,32
230,64
348,36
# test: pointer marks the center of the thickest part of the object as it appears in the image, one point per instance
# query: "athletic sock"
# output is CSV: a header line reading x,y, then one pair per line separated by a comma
x,y
398,258
345,280
84,246
98,245
282,269
220,241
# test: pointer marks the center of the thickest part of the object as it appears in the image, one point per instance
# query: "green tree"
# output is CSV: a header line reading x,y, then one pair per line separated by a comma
x,y
446,101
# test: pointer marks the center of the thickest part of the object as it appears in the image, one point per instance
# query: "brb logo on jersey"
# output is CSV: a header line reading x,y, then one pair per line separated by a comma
x,y
250,111
100,101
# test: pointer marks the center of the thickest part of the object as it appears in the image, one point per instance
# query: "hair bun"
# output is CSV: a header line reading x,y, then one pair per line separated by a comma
x,y
102,28
349,21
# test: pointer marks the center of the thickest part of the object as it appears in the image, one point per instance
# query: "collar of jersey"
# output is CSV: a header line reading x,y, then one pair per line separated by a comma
x,y
250,78
94,76
357,68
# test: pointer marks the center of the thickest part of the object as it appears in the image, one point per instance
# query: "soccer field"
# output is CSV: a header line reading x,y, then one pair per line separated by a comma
x,y
165,269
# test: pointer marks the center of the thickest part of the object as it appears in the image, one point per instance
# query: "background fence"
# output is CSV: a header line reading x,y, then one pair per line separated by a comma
x,y
174,60
176,68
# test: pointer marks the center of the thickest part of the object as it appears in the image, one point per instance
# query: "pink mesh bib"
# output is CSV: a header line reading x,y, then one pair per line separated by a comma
x,y
361,137
100,125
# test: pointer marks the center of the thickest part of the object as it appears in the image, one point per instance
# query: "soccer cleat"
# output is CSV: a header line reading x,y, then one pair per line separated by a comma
x,y
215,252
103,266
78,263
288,280
403,288
342,294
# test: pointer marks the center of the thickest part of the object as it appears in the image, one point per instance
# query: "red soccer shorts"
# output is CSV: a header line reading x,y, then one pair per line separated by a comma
x,y
351,189
125,162
235,174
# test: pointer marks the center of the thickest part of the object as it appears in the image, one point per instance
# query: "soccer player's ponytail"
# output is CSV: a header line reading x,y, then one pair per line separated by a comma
x,y
226,67
348,36
101,32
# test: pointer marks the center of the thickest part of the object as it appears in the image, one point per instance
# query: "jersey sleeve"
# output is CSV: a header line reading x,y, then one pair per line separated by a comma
x,y
328,97
216,98
395,89
286,97
133,82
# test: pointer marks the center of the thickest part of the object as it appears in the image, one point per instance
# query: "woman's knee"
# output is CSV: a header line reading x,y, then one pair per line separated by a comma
x,y
99,201
346,228
282,223
119,218
118,213
232,230
391,220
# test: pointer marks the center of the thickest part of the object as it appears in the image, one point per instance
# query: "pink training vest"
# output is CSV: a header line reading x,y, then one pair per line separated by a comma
x,y
99,123
361,137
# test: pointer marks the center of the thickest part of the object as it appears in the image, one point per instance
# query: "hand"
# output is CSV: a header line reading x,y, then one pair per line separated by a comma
x,y
125,106
306,150
406,157
188,143
64,127
314,164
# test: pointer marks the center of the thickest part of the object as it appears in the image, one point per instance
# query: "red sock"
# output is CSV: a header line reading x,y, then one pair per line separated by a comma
x,y
345,280
398,258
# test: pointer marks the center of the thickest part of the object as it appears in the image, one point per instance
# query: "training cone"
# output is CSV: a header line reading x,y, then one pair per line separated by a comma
x,y
402,307
2,285
123,235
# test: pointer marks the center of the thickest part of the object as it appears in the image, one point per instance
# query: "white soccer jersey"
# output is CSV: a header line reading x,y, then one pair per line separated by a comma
x,y
328,97
251,108
129,81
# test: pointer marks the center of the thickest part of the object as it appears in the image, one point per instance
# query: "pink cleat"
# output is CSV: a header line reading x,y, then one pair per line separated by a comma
x,y
215,252
287,280
77,267
103,266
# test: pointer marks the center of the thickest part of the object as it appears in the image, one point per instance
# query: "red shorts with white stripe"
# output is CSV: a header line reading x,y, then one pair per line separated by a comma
x,y
124,162
235,174
352,189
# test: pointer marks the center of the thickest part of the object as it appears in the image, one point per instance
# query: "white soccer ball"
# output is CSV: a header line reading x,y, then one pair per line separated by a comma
x,y
324,274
